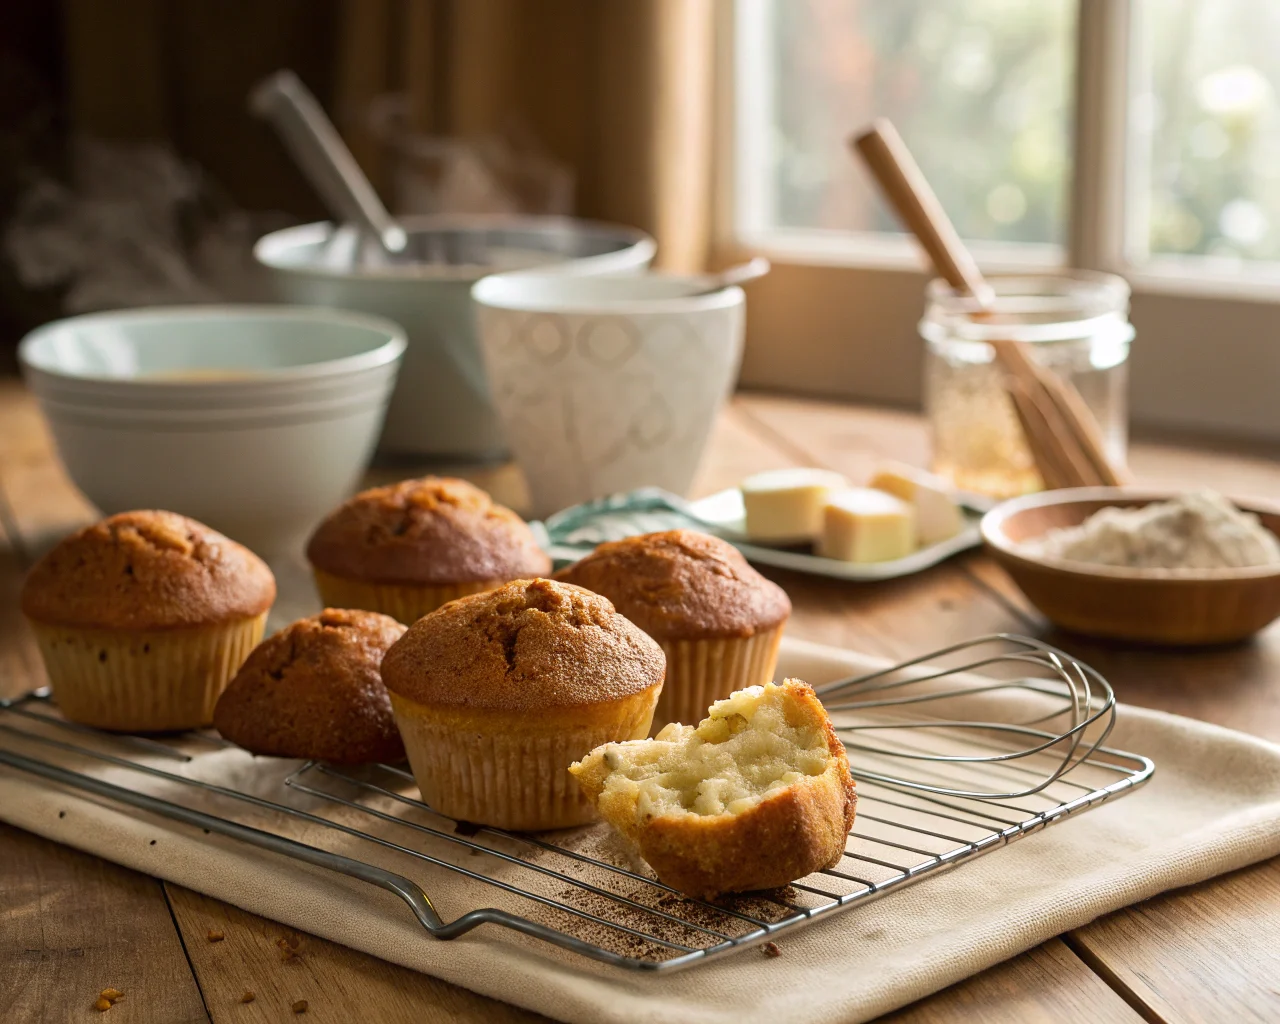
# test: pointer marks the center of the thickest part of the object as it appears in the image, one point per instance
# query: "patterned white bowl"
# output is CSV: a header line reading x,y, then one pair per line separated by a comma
x,y
606,384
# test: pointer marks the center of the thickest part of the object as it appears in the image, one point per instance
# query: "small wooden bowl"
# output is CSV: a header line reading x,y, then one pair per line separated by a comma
x,y
1185,607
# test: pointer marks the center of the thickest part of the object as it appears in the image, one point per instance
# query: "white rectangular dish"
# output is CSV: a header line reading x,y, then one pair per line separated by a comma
x,y
571,534
724,512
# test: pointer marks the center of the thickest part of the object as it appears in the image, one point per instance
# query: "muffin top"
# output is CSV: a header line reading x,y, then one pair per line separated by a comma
x,y
529,645
433,530
313,690
147,570
682,585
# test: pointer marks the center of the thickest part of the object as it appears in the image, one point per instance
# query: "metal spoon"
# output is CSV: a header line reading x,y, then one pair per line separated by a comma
x,y
324,158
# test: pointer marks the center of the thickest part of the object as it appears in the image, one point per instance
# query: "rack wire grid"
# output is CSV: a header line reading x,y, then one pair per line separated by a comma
x,y
948,767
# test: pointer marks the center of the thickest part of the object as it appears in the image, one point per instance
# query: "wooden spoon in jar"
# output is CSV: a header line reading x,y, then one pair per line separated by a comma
x,y
1062,433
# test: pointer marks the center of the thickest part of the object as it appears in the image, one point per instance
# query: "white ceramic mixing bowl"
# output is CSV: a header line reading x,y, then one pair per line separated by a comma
x,y
441,406
254,420
605,384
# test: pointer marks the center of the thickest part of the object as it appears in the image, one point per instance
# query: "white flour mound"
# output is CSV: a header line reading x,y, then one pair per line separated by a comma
x,y
1200,530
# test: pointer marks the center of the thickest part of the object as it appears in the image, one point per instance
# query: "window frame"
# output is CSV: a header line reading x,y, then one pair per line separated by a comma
x,y
838,315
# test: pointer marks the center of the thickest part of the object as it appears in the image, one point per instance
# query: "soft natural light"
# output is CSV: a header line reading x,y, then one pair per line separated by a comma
x,y
1206,129
980,89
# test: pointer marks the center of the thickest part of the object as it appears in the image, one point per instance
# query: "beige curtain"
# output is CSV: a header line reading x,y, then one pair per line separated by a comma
x,y
620,91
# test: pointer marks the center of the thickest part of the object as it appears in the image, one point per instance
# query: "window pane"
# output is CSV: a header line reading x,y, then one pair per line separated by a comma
x,y
980,90
1208,123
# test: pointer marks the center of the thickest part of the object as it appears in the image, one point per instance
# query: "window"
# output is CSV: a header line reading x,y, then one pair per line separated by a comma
x,y
1206,131
980,90
1137,136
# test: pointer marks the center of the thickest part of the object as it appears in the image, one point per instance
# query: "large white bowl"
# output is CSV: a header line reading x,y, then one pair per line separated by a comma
x,y
261,450
210,357
441,406
605,384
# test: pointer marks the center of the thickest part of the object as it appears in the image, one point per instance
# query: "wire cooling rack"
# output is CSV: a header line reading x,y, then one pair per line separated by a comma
x,y
948,768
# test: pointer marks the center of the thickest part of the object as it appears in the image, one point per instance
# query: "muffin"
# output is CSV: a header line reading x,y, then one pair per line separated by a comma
x,y
406,549
314,691
718,620
757,795
498,693
142,618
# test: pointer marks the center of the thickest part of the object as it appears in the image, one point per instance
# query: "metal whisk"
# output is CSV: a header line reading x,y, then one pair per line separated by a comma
x,y
1007,748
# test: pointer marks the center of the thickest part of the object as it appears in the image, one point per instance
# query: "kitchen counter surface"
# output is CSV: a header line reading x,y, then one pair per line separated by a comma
x,y
72,925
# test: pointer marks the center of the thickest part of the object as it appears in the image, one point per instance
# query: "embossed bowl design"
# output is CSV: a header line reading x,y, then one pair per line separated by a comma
x,y
606,384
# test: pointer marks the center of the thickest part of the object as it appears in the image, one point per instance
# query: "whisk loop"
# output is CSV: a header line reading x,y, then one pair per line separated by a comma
x,y
1015,746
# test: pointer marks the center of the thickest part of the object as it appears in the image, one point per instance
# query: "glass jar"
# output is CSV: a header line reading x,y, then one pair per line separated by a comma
x,y
1076,323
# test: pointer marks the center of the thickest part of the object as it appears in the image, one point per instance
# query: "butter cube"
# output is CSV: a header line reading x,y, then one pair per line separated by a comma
x,y
866,525
786,504
938,517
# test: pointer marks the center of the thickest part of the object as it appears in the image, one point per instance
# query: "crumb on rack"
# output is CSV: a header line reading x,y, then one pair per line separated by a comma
x,y
102,1005
215,935
288,945
771,949
248,996
300,1006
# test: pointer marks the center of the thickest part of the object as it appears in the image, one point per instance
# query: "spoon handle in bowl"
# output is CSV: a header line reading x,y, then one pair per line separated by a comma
x,y
323,157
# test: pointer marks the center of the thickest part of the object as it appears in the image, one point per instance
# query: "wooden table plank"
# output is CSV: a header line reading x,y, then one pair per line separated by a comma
x,y
339,984
1204,953
1048,985
20,668
74,925
43,503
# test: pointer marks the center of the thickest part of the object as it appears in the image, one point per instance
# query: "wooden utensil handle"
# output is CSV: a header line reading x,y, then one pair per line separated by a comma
x,y
908,191
1061,431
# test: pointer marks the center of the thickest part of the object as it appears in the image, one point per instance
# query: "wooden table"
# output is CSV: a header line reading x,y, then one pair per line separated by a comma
x,y
72,924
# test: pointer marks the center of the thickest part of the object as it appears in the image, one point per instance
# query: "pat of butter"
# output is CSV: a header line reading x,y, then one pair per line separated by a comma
x,y
786,504
938,517
866,525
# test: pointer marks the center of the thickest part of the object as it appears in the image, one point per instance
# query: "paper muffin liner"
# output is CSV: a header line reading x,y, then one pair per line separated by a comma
x,y
510,777
405,602
701,672
144,680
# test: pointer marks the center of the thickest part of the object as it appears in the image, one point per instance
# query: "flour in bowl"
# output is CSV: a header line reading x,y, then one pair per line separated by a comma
x,y
1201,530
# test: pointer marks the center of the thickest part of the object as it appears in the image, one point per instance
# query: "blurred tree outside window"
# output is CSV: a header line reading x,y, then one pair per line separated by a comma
x,y
1206,128
982,91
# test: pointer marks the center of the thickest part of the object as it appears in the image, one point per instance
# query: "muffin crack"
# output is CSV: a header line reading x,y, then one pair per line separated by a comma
x,y
281,667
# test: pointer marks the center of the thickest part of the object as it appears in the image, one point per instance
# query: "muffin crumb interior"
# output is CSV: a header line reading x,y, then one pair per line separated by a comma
x,y
747,747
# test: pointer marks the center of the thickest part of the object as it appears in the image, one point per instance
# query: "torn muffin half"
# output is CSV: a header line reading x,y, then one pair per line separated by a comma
x,y
756,795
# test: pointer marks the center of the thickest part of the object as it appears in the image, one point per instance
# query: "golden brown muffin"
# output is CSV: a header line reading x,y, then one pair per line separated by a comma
x,y
406,549
143,617
718,620
314,691
498,693
757,795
